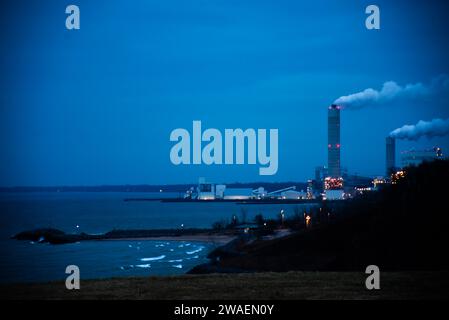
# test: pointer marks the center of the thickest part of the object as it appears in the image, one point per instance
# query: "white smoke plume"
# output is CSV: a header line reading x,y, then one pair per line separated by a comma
x,y
391,91
433,128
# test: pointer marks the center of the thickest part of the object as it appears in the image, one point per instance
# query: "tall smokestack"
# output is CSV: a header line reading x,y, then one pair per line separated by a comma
x,y
333,147
391,155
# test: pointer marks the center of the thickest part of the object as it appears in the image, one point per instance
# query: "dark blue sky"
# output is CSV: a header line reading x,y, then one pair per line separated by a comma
x,y
97,105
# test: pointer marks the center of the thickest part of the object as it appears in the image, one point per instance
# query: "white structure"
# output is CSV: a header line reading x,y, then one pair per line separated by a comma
x,y
205,191
209,191
292,194
260,192
333,194
238,194
220,191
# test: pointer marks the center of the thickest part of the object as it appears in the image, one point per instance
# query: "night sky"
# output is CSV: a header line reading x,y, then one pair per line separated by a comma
x,y
96,106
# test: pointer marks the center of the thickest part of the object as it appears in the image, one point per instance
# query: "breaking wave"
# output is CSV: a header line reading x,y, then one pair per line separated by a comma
x,y
195,251
153,258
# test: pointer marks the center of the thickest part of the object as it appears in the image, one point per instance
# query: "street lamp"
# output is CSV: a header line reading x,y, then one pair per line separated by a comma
x,y
308,221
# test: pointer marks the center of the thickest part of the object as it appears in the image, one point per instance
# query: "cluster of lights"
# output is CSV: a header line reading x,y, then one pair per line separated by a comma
x,y
361,190
333,183
378,181
397,176
309,194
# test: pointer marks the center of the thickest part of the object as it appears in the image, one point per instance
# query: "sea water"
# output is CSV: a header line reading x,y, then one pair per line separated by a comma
x,y
99,212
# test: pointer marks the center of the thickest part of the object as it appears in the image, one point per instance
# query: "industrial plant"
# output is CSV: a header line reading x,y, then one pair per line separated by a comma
x,y
220,192
339,185
332,182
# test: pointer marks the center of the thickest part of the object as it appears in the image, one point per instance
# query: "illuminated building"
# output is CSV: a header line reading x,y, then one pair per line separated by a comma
x,y
333,189
333,183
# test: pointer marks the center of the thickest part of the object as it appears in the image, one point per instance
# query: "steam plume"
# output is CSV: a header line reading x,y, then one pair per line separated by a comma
x,y
433,128
391,91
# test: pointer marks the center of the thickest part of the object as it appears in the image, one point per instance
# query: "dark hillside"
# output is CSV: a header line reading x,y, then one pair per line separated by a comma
x,y
405,226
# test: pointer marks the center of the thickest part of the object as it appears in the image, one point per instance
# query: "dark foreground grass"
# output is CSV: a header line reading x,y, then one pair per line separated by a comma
x,y
287,285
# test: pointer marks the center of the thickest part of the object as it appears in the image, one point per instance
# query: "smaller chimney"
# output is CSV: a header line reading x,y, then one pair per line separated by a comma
x,y
390,155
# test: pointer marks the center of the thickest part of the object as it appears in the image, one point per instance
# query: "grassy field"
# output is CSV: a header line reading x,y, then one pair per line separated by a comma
x,y
287,285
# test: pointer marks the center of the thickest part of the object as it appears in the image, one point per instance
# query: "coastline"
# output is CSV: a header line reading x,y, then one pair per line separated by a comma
x,y
219,239
55,236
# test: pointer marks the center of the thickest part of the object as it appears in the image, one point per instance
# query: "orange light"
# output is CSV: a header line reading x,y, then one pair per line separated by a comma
x,y
308,221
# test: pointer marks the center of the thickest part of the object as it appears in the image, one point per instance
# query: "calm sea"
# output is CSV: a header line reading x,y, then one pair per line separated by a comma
x,y
98,212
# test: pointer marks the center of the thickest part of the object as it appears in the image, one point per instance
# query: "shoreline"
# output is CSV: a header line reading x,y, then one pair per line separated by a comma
x,y
58,237
236,201
220,239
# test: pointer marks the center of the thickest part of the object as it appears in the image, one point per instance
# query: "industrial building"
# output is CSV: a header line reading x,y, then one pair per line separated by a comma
x,y
416,157
205,191
237,193
209,191
293,194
